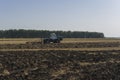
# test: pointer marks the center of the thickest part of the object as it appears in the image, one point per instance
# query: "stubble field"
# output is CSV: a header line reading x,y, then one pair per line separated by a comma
x,y
72,59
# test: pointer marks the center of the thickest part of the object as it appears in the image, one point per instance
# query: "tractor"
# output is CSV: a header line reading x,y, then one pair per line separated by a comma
x,y
52,39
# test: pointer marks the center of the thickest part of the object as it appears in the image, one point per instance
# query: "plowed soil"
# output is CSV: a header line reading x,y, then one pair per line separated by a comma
x,y
91,60
59,65
60,45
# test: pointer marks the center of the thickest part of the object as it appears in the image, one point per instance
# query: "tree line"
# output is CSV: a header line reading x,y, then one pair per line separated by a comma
x,y
21,33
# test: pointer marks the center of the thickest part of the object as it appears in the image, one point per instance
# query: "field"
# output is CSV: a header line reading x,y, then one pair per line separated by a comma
x,y
72,59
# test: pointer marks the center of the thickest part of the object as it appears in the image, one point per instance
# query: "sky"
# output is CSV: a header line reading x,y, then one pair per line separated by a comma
x,y
68,15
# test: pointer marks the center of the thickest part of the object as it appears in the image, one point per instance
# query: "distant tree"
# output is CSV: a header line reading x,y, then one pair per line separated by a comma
x,y
21,33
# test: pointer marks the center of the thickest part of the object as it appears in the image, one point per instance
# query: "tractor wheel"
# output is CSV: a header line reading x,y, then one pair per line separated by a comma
x,y
46,41
58,41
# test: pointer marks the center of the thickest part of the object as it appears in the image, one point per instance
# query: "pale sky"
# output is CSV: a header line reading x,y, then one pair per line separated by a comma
x,y
74,15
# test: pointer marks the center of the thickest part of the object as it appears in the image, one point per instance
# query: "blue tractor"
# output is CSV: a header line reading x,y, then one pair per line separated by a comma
x,y
52,39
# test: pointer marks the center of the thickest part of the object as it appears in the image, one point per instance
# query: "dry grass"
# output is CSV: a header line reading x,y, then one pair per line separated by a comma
x,y
17,40
65,40
68,49
71,40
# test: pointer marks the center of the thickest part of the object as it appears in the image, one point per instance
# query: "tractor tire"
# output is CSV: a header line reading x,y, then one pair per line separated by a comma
x,y
46,41
55,41
58,41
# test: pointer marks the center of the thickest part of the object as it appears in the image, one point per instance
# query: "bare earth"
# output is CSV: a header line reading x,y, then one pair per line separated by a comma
x,y
72,59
